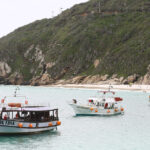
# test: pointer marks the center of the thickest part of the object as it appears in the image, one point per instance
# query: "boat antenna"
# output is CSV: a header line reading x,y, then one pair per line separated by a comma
x,y
15,93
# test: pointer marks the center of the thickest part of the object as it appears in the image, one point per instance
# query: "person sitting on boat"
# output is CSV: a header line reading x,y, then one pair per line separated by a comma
x,y
42,118
33,116
74,101
97,104
17,115
104,99
112,105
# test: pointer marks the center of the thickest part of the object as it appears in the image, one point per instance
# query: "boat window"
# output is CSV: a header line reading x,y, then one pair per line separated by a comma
x,y
25,115
43,116
16,115
55,114
32,116
51,115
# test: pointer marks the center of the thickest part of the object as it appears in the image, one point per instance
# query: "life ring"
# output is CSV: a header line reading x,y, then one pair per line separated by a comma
x,y
50,124
14,104
26,102
2,101
30,125
58,123
96,110
91,108
20,125
116,110
122,109
108,111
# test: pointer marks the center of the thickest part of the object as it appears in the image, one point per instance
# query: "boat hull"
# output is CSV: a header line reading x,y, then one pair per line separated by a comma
x,y
14,130
95,111
12,127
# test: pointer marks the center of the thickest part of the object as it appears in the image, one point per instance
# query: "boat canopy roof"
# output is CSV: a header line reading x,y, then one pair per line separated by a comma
x,y
31,109
36,108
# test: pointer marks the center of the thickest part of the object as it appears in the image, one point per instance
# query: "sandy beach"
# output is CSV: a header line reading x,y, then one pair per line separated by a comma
x,y
143,88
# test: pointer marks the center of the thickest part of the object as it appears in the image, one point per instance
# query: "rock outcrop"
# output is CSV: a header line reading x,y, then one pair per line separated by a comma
x,y
132,78
146,78
16,79
5,69
42,80
96,63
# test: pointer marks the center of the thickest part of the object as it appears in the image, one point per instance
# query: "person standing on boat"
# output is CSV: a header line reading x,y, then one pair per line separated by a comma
x,y
106,105
5,117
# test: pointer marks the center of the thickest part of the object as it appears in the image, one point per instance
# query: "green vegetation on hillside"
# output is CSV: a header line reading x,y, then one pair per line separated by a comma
x,y
119,37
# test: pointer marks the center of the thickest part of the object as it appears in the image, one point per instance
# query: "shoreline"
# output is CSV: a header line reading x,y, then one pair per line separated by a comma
x,y
142,88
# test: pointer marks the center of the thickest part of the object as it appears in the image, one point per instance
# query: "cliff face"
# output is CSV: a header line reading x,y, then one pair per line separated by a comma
x,y
84,44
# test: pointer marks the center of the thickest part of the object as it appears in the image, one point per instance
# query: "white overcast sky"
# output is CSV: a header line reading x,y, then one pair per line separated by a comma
x,y
16,13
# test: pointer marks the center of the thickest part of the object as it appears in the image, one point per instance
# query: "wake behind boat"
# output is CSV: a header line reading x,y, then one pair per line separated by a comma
x,y
105,105
20,118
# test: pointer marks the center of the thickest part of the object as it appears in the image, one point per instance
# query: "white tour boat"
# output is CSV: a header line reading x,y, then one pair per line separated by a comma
x,y
20,118
106,105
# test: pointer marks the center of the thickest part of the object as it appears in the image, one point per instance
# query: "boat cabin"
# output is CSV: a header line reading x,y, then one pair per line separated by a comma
x,y
106,100
29,114
102,103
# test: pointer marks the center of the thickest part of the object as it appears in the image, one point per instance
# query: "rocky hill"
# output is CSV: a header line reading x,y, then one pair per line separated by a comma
x,y
100,41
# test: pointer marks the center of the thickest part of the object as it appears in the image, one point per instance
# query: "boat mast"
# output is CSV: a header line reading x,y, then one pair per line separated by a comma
x,y
110,87
15,93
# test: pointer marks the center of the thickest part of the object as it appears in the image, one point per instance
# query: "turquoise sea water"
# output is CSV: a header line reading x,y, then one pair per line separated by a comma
x,y
130,131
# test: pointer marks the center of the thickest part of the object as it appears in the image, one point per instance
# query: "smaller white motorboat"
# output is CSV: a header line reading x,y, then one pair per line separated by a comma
x,y
105,105
18,117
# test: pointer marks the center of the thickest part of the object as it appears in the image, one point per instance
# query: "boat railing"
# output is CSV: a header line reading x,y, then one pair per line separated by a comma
x,y
35,120
23,104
